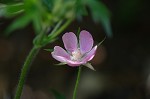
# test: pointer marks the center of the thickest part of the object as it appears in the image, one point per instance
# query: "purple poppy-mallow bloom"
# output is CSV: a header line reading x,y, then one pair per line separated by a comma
x,y
76,54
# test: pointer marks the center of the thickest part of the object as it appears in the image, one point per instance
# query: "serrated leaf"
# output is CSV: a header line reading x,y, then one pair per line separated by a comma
x,y
57,94
100,13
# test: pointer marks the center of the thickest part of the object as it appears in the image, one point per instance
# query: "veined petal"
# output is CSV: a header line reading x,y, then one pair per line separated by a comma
x,y
89,56
60,54
70,41
59,58
86,41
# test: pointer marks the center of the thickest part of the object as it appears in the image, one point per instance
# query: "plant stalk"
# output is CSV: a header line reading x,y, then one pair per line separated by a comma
x,y
77,83
34,51
31,56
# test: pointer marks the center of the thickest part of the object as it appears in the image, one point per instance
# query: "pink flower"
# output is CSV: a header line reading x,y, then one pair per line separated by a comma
x,y
76,54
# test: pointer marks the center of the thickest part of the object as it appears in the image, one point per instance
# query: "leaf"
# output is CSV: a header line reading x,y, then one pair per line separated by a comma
x,y
78,32
57,94
49,4
89,66
101,41
100,13
49,50
11,9
37,23
80,9
18,23
14,9
60,64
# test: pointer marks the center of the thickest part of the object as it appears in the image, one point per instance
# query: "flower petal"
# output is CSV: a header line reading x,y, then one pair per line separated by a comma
x,y
60,54
74,63
89,56
86,41
70,41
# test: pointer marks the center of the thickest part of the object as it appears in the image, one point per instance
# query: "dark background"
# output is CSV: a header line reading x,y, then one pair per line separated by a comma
x,y
122,62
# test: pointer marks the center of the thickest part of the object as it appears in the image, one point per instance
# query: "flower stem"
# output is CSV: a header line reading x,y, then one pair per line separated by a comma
x,y
31,56
77,82
53,35
24,71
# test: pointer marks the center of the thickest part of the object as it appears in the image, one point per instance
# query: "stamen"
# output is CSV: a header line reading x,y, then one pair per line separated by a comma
x,y
76,55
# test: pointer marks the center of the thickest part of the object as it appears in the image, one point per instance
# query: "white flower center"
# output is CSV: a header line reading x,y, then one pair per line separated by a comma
x,y
76,55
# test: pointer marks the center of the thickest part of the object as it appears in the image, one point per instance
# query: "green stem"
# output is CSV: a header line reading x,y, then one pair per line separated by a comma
x,y
24,71
56,28
77,82
61,29
32,54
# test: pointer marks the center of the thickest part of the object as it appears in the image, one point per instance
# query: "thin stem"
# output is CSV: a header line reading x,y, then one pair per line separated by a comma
x,y
61,28
55,28
26,66
24,71
32,54
77,82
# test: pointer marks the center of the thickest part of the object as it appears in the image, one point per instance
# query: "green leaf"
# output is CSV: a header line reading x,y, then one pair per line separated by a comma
x,y
80,9
60,64
18,23
100,13
14,9
101,41
78,32
49,50
49,4
89,66
37,23
57,94
11,9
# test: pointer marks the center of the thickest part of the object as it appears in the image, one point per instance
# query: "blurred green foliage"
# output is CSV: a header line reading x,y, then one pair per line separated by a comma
x,y
43,13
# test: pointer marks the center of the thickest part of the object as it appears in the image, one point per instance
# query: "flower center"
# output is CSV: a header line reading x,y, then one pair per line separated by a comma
x,y
76,55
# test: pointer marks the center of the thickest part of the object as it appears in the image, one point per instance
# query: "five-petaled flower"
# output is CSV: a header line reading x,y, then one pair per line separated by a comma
x,y
76,54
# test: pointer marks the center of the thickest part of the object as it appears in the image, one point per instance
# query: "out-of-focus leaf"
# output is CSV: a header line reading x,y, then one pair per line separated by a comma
x,y
49,40
49,4
2,9
80,9
9,1
18,23
57,94
37,23
68,10
11,9
49,50
100,13
14,9
46,40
